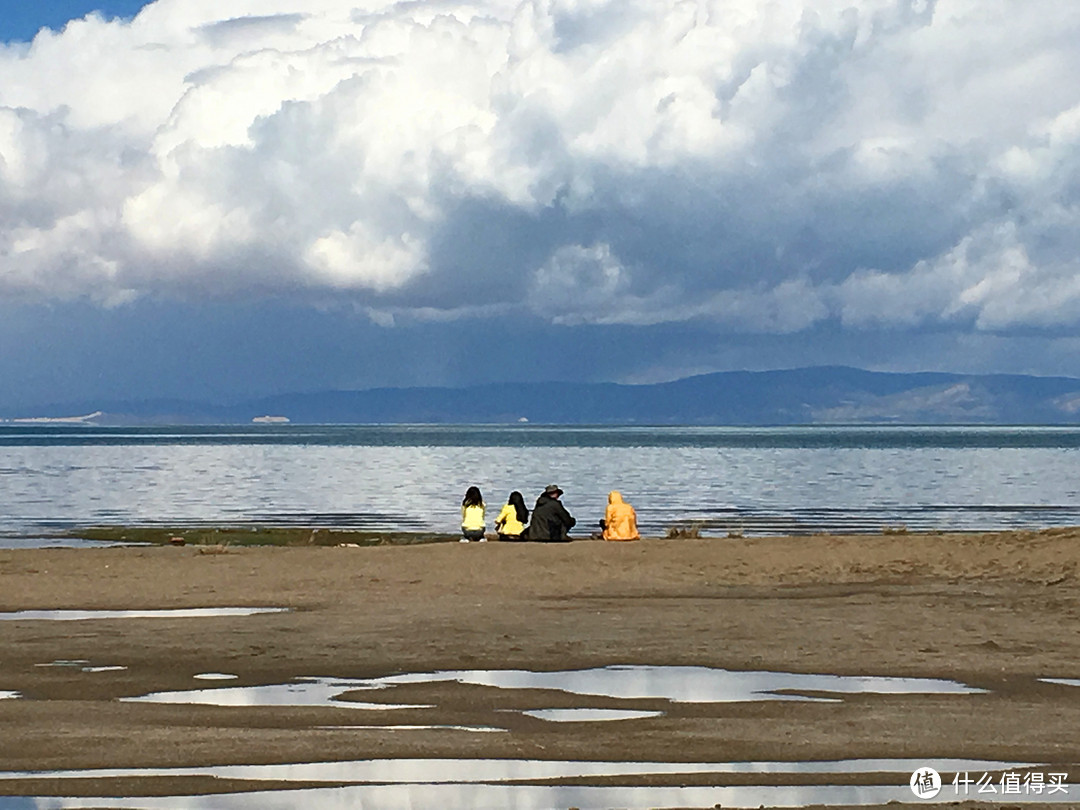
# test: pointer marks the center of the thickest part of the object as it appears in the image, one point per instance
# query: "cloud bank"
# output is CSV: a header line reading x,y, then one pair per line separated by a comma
x,y
761,165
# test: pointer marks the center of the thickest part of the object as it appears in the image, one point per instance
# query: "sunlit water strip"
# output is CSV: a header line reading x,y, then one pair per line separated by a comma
x,y
467,771
514,797
482,785
164,613
749,481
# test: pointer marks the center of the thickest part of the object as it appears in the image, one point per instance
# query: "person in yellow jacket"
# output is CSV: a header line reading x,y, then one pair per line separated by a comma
x,y
512,519
620,519
472,516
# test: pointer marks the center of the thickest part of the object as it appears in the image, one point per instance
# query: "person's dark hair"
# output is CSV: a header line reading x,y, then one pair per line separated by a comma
x,y
518,503
472,497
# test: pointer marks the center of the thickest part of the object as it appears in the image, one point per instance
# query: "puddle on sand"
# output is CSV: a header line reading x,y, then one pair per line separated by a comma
x,y
498,797
82,666
685,684
677,684
471,729
483,784
465,771
302,692
9,695
168,613
215,676
64,662
587,715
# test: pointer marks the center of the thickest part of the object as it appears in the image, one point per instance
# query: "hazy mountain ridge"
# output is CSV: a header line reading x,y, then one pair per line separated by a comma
x,y
832,394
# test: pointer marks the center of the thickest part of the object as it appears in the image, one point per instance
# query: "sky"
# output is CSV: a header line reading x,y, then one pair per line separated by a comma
x,y
222,199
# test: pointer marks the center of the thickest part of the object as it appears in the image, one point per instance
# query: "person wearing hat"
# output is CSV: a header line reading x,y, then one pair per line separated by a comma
x,y
550,520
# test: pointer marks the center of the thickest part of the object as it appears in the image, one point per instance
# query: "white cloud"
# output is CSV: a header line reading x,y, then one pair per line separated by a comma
x,y
762,165
580,284
361,259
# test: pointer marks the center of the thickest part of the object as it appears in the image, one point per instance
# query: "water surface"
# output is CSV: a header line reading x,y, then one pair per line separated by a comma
x,y
165,613
486,785
748,480
677,684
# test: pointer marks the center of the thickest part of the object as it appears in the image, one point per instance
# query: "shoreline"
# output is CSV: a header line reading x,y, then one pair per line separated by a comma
x,y
995,611
305,536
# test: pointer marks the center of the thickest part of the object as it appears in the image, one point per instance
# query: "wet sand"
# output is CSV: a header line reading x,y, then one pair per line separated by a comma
x,y
995,611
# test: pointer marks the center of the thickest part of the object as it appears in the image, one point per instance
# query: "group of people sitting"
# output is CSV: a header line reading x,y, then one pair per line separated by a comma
x,y
550,522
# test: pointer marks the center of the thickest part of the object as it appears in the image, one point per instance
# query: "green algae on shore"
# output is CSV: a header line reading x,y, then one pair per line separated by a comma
x,y
254,536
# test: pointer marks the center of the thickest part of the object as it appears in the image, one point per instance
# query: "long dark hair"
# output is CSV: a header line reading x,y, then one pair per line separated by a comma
x,y
518,503
473,497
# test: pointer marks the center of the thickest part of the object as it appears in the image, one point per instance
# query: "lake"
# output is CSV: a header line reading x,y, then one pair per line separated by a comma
x,y
725,479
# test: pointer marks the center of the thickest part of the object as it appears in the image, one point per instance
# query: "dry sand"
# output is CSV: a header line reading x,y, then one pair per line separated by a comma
x,y
997,611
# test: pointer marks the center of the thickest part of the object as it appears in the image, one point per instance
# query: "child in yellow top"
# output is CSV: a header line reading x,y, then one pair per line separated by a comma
x,y
472,516
512,519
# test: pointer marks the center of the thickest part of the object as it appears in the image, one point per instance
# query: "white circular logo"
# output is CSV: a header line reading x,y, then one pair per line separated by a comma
x,y
926,783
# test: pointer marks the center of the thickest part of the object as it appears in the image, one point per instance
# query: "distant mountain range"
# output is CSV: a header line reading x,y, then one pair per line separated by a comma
x,y
830,394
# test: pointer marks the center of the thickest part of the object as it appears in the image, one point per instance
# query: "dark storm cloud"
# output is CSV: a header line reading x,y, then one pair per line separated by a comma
x,y
759,167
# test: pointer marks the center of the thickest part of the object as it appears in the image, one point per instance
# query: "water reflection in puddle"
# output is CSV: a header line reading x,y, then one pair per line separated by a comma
x,y
466,771
676,684
482,784
9,695
471,729
64,662
302,692
499,797
686,684
177,613
1062,681
215,676
587,715
82,666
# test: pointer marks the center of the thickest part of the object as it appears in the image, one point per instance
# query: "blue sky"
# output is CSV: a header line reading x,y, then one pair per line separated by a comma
x,y
22,20
245,197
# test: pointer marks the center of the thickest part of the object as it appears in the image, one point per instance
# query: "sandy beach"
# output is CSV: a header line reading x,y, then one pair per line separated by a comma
x,y
997,613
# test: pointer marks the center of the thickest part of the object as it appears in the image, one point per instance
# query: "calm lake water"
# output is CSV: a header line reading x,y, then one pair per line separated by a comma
x,y
754,480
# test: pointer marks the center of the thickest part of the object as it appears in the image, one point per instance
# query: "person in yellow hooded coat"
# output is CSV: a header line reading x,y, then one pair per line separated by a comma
x,y
620,519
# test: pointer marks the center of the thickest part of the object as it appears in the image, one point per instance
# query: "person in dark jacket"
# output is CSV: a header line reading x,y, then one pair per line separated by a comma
x,y
550,520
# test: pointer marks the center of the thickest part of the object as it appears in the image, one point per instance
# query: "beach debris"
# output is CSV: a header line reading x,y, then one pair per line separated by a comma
x,y
691,532
177,541
899,528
